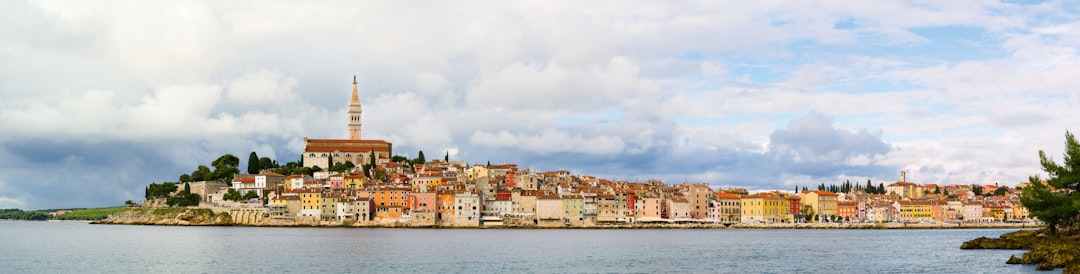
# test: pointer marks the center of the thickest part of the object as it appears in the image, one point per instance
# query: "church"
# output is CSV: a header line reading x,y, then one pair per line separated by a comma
x,y
319,152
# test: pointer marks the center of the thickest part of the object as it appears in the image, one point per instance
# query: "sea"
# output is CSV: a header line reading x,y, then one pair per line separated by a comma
x,y
73,247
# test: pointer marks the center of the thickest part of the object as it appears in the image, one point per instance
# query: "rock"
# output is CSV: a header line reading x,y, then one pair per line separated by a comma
x,y
1044,266
1072,269
1013,260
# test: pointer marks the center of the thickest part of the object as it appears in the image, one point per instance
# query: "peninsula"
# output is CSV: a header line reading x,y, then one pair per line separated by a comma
x,y
358,182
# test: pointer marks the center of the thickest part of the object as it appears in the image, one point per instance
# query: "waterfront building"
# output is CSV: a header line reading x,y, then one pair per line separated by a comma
x,y
649,208
467,208
329,205
311,202
679,208
725,208
822,202
549,209
913,211
698,195
445,212
607,208
972,211
765,208
848,210
573,208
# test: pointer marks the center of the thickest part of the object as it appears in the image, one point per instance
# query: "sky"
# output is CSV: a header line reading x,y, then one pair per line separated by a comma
x,y
100,98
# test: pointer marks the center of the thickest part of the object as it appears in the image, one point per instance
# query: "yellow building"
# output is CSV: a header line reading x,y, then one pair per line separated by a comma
x,y
916,211
355,182
311,203
822,202
765,208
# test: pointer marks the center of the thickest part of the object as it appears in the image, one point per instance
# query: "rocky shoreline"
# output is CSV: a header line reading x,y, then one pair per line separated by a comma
x,y
1044,251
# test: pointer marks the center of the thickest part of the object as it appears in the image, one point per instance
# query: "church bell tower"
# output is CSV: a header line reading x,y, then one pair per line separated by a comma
x,y
354,113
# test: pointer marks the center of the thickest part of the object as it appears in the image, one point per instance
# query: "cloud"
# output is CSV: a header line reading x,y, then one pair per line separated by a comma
x,y
550,141
811,148
758,94
261,87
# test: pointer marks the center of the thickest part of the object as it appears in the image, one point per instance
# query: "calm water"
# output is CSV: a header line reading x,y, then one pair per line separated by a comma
x,y
80,247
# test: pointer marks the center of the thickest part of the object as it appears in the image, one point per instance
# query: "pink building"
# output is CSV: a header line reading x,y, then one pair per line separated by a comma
x,y
424,202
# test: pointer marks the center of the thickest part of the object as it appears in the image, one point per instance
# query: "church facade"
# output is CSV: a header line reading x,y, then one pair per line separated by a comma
x,y
319,152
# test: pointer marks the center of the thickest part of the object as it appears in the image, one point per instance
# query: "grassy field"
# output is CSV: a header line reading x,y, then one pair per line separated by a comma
x,y
91,214
80,214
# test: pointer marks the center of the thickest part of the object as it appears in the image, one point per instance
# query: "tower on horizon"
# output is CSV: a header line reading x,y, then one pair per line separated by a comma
x,y
326,153
354,113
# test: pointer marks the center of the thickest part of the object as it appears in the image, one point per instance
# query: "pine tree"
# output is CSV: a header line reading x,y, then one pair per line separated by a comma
x,y
1056,208
447,157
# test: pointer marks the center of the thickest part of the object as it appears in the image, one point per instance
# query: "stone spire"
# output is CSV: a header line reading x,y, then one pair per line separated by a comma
x,y
354,113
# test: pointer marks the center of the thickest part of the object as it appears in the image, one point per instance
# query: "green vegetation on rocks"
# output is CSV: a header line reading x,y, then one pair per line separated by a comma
x,y
1056,202
169,216
1044,251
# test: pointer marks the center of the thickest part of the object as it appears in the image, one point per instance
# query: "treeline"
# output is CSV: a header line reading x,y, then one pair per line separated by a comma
x,y
16,214
166,190
225,168
80,214
848,186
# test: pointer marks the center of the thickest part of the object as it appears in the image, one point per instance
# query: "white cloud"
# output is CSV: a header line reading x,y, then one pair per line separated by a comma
x,y
550,141
629,88
261,87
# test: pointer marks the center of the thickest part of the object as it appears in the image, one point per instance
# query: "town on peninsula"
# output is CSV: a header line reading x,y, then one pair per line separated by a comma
x,y
359,182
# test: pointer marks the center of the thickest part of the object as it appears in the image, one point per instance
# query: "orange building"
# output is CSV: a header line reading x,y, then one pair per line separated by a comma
x,y
848,210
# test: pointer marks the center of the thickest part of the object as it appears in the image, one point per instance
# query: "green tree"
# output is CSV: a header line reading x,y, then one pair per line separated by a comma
x,y
1001,191
253,163
447,157
1057,207
155,190
184,178
807,213
226,160
371,158
399,159
267,163
202,173
225,167
420,159
251,195
232,195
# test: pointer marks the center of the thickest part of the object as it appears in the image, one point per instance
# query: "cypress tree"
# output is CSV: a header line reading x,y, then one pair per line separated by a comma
x,y
253,163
